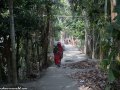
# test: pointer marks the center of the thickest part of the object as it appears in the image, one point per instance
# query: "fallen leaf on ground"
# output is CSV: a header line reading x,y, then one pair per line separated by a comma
x,y
93,78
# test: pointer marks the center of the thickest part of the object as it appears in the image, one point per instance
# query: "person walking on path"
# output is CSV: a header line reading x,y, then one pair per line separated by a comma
x,y
58,54
60,49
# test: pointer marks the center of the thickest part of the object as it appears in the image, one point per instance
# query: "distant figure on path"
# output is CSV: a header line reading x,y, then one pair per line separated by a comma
x,y
58,54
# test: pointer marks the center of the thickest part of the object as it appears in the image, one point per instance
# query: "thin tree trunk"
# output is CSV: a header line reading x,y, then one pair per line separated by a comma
x,y
41,64
27,62
12,34
46,36
113,14
86,32
17,55
38,54
93,41
45,45
0,67
7,55
105,7
33,49
101,52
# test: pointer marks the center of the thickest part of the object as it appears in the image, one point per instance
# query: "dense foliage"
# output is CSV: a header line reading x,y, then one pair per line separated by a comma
x,y
33,28
103,34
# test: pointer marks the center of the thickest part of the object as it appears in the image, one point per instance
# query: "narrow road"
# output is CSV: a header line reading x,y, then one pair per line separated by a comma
x,y
56,78
72,54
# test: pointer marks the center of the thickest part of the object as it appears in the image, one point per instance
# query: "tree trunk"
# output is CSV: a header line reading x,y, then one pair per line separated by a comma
x,y
46,36
45,45
7,55
12,34
0,67
17,55
33,44
105,7
86,50
27,62
113,14
93,47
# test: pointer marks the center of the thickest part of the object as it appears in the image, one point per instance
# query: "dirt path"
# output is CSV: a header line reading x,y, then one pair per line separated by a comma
x,y
57,78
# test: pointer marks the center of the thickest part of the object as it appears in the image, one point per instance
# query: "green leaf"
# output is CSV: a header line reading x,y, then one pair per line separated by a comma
x,y
104,63
115,68
108,87
112,54
111,76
